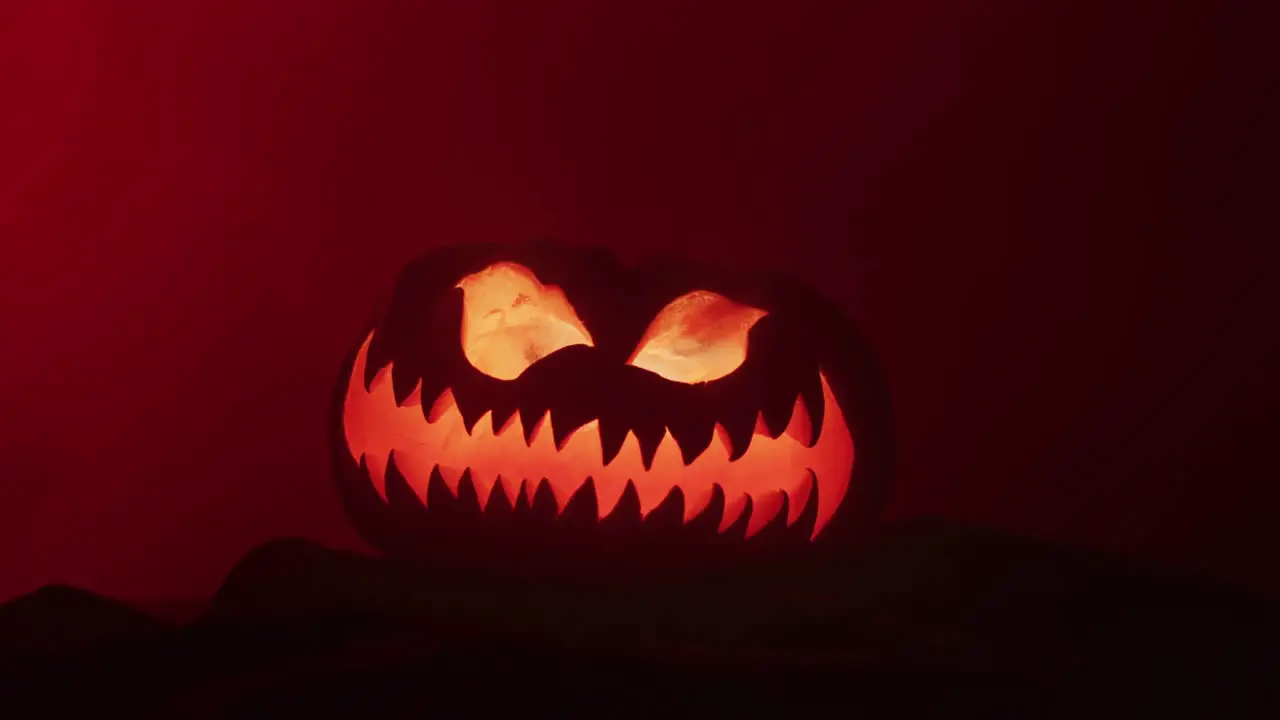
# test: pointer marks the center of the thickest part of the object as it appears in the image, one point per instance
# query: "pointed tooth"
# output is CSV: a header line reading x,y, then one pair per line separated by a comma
x,y
425,493
695,501
438,494
733,508
513,425
380,377
651,493
764,509
612,435
812,391
692,434
800,428
451,476
834,452
428,394
529,419
761,427
777,408
442,406
726,445
368,373
629,454
562,492
722,445
510,488
738,429
539,430
412,398
359,367
469,408
575,508
498,505
482,425
380,483
543,494
522,496
627,511
608,493
502,418
400,494
415,467
377,359
564,428
469,422
483,484
468,495
583,442
666,456
375,465
649,439
798,497
831,492
404,382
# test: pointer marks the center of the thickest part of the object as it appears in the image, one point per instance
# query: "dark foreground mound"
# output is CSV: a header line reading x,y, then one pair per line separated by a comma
x,y
930,618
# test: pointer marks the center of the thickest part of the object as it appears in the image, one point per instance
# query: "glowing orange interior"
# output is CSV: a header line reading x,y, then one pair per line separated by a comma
x,y
697,337
769,470
510,320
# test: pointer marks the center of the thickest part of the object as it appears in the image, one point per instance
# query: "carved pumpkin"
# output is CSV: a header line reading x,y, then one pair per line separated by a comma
x,y
508,378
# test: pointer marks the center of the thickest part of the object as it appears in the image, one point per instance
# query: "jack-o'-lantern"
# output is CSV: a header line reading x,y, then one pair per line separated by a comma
x,y
509,377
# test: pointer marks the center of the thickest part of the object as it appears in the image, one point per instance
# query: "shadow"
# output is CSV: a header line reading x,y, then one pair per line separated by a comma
x,y
926,617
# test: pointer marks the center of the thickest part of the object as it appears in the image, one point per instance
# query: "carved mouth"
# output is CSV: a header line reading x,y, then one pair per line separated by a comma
x,y
772,472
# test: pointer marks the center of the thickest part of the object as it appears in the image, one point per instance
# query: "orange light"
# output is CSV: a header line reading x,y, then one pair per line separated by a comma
x,y
698,337
769,469
510,320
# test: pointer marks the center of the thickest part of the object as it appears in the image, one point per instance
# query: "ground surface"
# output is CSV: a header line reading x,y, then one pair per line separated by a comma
x,y
929,618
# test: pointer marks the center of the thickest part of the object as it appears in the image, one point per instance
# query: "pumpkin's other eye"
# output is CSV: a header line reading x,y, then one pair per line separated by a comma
x,y
510,320
698,337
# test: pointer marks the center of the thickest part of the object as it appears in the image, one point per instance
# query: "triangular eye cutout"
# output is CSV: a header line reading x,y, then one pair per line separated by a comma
x,y
698,337
510,320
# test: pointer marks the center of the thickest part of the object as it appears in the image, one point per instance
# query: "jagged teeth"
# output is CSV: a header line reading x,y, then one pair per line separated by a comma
x,y
764,507
755,484
799,428
666,461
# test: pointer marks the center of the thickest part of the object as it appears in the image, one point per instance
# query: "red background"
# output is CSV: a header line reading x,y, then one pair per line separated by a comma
x,y
1038,212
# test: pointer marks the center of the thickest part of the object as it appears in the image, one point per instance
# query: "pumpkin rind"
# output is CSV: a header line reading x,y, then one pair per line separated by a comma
x,y
763,419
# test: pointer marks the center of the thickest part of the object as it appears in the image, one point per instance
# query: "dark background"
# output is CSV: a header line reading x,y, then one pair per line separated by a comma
x,y
1039,212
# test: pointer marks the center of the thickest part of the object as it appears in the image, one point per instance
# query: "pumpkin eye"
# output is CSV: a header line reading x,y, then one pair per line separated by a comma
x,y
510,320
698,337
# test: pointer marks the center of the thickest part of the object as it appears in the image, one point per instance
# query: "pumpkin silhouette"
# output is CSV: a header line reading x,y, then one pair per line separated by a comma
x,y
553,384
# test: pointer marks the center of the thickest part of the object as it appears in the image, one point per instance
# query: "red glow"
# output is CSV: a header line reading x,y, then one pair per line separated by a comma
x,y
375,426
1047,229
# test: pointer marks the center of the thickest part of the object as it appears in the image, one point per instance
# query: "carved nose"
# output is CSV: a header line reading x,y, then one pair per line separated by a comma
x,y
585,383
581,384
578,368
577,372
